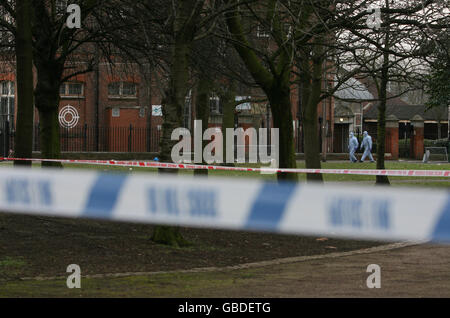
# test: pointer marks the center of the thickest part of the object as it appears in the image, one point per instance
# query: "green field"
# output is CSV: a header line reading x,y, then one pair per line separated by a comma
x,y
363,180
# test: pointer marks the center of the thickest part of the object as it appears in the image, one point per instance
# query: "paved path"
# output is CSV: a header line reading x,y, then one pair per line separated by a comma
x,y
417,271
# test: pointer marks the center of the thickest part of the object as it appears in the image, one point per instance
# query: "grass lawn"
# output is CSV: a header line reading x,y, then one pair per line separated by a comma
x,y
368,180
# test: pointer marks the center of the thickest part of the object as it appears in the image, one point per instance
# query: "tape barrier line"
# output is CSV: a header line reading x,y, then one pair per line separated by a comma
x,y
154,164
307,209
103,195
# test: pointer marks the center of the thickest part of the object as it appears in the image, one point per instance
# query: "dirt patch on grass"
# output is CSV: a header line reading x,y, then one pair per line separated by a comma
x,y
44,246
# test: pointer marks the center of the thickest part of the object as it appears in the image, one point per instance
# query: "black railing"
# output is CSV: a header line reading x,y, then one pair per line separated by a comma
x,y
102,139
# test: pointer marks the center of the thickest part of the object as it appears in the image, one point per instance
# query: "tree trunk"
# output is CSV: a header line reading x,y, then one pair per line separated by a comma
x,y
381,143
174,100
311,141
49,68
47,102
172,114
228,108
381,126
49,130
202,113
276,85
280,102
24,61
312,85
186,15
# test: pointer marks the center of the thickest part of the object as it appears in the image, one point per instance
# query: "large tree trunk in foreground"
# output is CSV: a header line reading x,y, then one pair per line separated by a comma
x,y
49,131
186,16
172,114
24,60
228,108
381,144
381,126
202,113
311,83
311,141
282,119
169,235
47,102
49,69
276,85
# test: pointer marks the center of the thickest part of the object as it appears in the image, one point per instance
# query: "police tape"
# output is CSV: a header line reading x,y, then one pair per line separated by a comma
x,y
156,164
380,213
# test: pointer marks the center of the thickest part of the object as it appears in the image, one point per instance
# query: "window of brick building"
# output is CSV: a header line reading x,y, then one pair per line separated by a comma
x,y
71,89
215,106
114,89
7,99
122,90
242,105
128,89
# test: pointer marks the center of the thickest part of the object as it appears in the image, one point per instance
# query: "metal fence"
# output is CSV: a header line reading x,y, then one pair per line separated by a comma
x,y
101,139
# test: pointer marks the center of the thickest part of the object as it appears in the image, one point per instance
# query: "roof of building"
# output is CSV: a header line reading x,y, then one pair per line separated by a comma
x,y
364,90
391,98
353,90
406,112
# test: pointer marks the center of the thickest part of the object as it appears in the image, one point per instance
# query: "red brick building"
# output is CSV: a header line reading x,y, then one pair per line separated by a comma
x,y
115,109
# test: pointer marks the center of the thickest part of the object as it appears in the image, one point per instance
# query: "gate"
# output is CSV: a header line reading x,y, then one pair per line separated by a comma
x,y
404,143
341,132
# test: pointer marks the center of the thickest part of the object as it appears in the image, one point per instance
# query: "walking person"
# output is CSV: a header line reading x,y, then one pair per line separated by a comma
x,y
352,147
367,145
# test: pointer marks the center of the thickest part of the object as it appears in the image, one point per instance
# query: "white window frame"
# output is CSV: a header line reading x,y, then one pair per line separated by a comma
x,y
66,90
121,96
10,96
243,106
214,104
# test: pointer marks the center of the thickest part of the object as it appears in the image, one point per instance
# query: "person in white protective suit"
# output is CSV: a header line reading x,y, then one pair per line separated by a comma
x,y
367,145
352,147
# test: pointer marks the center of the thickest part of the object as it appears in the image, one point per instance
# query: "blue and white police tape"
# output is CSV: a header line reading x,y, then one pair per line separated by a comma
x,y
335,210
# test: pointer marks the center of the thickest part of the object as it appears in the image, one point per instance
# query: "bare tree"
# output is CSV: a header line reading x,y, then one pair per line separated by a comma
x,y
24,63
